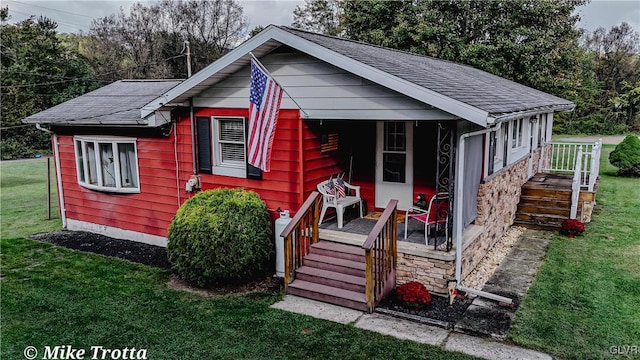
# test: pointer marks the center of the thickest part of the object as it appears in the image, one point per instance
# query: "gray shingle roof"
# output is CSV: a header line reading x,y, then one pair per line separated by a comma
x,y
466,84
118,103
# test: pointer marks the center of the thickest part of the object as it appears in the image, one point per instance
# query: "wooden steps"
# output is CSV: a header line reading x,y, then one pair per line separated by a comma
x,y
333,273
545,202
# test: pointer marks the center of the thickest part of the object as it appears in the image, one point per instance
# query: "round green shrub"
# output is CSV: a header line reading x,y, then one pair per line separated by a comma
x,y
220,236
626,156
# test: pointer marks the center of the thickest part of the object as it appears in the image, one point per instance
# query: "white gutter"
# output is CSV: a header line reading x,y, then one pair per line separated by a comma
x,y
458,220
527,113
56,157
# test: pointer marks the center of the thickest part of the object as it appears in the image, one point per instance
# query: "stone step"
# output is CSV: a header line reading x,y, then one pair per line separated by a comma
x,y
331,278
341,251
329,294
343,266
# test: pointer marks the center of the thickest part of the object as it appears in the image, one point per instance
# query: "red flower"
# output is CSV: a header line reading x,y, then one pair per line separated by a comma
x,y
413,294
572,227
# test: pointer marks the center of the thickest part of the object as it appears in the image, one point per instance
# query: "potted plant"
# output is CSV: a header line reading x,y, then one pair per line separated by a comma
x,y
572,228
414,295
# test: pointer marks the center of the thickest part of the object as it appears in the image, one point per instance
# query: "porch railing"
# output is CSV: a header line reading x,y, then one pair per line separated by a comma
x,y
563,160
299,234
575,185
381,256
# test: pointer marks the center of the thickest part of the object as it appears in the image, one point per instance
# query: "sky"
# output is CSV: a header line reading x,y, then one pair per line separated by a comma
x,y
75,16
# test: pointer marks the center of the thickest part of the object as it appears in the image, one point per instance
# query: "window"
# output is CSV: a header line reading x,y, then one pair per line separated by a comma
x,y
107,164
516,138
542,129
222,147
498,141
395,152
229,146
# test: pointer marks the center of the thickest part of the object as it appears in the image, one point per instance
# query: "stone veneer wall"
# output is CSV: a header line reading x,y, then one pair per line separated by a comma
x,y
432,273
498,198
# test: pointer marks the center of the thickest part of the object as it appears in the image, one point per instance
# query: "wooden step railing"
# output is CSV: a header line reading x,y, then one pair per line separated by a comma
x,y
381,256
299,234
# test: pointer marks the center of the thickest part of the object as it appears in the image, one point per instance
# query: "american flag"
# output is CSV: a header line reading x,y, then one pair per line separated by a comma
x,y
264,103
340,190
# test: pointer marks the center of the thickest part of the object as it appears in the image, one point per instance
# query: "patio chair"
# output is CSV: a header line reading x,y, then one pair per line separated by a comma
x,y
435,213
333,200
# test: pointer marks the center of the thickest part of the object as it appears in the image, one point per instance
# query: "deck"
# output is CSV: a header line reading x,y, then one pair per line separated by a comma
x,y
363,226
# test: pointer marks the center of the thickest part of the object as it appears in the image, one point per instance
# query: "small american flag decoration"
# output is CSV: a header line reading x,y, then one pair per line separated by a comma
x,y
330,188
340,188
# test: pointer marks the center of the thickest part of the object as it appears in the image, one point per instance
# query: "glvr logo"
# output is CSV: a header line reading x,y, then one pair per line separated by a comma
x,y
625,350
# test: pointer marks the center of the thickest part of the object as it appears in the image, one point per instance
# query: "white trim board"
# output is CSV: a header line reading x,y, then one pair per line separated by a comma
x,y
77,225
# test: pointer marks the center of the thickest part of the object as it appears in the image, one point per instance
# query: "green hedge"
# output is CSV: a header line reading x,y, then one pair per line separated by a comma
x,y
220,236
626,156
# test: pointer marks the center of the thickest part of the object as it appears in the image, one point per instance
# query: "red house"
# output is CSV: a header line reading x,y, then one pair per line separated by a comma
x,y
396,123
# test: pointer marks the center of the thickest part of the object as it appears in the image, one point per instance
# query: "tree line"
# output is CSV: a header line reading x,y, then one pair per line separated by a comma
x,y
41,68
532,42
535,43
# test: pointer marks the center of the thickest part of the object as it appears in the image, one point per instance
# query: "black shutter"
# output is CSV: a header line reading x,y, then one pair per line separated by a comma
x,y
204,144
252,171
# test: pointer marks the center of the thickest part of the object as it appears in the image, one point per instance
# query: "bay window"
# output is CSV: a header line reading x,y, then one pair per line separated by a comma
x,y
107,164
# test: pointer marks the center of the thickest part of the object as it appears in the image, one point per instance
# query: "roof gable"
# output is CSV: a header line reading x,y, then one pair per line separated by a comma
x,y
461,90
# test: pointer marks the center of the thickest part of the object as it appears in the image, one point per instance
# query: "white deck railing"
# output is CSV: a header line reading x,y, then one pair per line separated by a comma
x,y
564,159
575,185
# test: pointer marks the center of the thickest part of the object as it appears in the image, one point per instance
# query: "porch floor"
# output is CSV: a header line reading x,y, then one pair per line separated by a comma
x,y
362,226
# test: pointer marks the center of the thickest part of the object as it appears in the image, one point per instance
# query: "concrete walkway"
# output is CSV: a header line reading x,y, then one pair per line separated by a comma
x,y
512,279
484,317
408,330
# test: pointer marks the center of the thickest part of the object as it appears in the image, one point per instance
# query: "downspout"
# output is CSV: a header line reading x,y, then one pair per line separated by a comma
x,y
56,157
458,220
193,136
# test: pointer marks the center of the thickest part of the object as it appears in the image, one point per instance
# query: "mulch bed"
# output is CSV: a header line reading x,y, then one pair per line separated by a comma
x,y
438,312
151,255
99,244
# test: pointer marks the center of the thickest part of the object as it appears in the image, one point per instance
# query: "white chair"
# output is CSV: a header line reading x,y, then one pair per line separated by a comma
x,y
331,200
430,216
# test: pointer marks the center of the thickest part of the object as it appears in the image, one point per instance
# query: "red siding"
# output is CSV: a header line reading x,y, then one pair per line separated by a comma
x,y
279,187
318,166
152,209
149,211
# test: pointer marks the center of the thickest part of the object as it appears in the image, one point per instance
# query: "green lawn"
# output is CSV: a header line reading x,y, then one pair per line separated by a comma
x,y
586,296
23,198
54,296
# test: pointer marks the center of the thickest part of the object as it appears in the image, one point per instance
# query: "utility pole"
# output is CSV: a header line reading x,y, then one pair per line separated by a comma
x,y
186,44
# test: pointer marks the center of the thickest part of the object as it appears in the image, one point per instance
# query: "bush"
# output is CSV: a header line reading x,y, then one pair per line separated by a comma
x,y
220,236
413,294
572,227
626,156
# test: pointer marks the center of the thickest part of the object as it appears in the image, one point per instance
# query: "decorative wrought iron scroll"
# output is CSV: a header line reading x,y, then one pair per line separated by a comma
x,y
445,176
